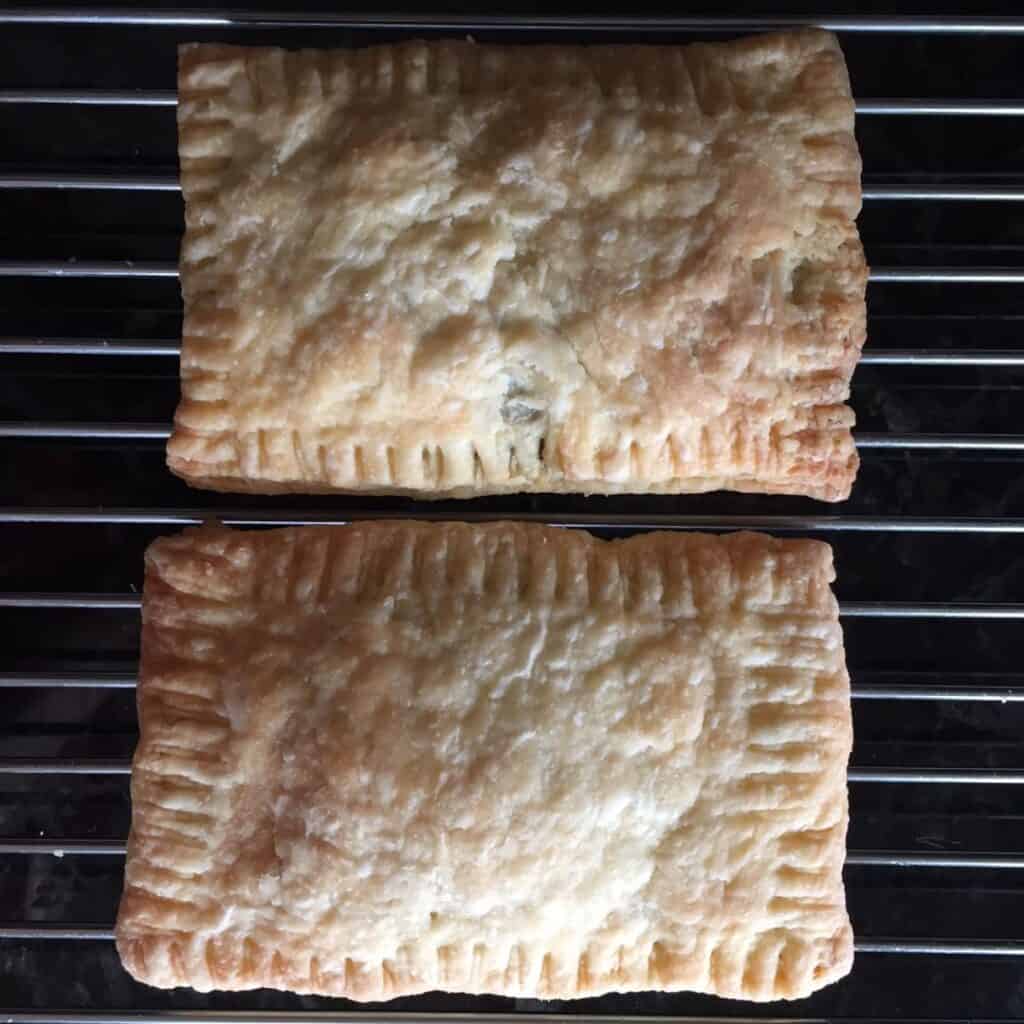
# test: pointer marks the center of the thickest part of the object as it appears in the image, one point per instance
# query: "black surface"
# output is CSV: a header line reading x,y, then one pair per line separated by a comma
x,y
885,901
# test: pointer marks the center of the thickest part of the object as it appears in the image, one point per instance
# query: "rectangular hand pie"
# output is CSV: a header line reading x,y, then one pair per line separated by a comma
x,y
392,757
439,268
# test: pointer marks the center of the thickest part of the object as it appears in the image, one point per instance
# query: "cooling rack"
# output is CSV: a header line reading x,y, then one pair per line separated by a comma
x,y
930,548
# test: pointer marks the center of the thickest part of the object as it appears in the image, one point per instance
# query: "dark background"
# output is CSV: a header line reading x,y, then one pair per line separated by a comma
x,y
885,565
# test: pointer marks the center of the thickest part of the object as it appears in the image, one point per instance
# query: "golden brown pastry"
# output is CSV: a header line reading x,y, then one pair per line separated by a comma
x,y
391,757
447,269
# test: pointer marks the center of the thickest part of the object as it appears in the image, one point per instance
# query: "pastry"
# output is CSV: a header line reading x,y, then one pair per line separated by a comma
x,y
447,269
392,757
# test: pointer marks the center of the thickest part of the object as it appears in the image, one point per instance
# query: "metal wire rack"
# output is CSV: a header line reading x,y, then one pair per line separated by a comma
x,y
930,550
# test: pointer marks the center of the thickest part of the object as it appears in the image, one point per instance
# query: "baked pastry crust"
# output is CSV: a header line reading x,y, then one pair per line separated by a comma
x,y
446,269
393,757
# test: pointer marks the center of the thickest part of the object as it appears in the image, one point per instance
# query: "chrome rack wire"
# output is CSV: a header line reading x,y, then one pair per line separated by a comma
x,y
590,521
397,1017
167,98
160,432
171,348
99,933
1004,694
881,784
881,776
854,858
151,268
847,609
241,19
151,182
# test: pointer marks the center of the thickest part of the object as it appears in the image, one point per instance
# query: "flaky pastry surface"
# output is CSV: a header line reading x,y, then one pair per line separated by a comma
x,y
393,757
442,268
